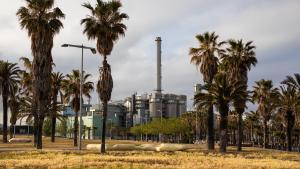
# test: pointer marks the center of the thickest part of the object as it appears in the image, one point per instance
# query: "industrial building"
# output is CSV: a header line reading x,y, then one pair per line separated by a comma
x,y
92,120
136,109
145,107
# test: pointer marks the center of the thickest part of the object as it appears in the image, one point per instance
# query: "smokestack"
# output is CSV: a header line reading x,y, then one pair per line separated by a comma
x,y
158,75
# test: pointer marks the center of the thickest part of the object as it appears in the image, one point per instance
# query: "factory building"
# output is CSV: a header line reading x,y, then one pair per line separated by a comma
x,y
146,107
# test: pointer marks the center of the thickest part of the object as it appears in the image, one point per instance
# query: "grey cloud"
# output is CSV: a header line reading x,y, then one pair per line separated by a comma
x,y
269,23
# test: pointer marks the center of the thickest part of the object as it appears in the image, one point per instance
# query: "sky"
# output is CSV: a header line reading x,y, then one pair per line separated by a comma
x,y
272,25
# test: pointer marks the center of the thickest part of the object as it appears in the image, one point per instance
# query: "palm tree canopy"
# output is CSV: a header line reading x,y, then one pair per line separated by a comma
x,y
220,93
39,16
56,81
42,22
265,95
295,82
205,56
9,77
71,88
289,100
239,58
104,24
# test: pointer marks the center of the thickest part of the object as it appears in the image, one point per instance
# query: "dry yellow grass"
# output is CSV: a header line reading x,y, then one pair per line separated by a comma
x,y
51,158
250,158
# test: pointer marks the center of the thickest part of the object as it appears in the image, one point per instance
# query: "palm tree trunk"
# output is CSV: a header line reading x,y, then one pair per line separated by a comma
x,y
53,121
75,129
104,127
265,134
210,129
240,131
40,133
234,137
223,128
42,67
5,100
289,129
11,131
35,130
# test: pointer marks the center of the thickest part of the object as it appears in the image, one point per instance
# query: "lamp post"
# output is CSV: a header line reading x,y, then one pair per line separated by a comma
x,y
93,50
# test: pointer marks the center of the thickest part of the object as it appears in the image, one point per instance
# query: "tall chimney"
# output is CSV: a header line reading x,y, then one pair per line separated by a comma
x,y
158,75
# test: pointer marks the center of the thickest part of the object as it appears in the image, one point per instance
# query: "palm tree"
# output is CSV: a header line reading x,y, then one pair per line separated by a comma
x,y
71,88
57,79
42,23
205,58
265,95
221,93
105,25
289,104
9,77
237,61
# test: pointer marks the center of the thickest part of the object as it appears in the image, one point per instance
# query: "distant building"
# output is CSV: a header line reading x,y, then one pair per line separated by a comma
x,y
155,105
92,120
68,111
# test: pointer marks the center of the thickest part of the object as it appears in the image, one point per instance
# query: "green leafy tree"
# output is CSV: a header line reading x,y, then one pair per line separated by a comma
x,y
47,127
105,25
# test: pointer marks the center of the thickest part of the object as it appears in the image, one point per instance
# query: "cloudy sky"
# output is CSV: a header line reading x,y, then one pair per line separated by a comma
x,y
272,25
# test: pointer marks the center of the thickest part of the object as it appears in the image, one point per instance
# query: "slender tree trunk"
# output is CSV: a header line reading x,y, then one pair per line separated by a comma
x,y
240,131
251,135
234,137
104,127
53,118
210,129
53,121
289,128
265,134
11,131
75,129
4,100
223,128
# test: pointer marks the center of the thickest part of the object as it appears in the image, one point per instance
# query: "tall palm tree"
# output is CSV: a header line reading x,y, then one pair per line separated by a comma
x,y
9,77
205,58
71,88
237,61
289,105
42,23
105,25
56,84
265,95
221,93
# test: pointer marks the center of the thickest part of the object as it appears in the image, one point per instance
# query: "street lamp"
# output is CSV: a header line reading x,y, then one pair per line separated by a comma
x,y
93,50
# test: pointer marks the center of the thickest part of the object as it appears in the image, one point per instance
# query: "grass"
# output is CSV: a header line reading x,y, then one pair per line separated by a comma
x,y
255,158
